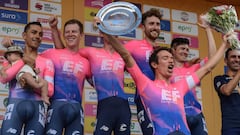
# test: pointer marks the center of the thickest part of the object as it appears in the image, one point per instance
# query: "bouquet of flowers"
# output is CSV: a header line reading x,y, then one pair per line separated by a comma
x,y
224,19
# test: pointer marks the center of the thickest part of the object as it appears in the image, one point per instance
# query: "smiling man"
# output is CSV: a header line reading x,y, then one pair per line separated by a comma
x,y
24,103
227,88
65,111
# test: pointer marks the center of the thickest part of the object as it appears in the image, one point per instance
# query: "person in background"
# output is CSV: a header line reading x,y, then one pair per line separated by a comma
x,y
107,67
71,70
180,49
25,108
227,88
26,73
164,99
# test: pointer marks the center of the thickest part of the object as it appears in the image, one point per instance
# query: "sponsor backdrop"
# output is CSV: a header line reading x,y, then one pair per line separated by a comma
x,y
176,22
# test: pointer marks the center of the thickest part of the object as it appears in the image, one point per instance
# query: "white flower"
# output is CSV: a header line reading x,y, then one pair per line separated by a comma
x,y
223,19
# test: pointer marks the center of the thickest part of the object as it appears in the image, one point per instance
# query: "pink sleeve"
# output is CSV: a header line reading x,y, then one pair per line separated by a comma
x,y
49,77
12,71
139,78
188,83
194,82
84,52
129,46
47,53
89,74
204,61
195,67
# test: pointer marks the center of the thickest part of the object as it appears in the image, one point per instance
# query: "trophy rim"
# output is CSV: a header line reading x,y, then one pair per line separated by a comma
x,y
126,6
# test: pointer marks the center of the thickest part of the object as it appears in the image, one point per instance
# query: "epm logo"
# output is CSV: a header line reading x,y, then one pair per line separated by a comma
x,y
14,30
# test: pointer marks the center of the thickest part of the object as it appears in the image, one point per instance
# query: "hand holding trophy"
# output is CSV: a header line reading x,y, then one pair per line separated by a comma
x,y
119,18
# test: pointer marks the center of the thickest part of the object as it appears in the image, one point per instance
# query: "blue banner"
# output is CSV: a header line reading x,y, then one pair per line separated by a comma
x,y
165,25
13,16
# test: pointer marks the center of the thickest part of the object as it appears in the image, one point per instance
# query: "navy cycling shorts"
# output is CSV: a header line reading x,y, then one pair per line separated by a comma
x,y
113,115
197,124
64,115
143,118
21,112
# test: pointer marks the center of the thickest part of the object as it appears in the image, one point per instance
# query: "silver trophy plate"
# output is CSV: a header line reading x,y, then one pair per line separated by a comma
x,y
119,18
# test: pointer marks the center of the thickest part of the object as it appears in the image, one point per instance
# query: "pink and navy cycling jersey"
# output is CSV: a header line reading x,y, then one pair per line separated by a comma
x,y
164,101
70,71
141,51
191,103
46,69
107,70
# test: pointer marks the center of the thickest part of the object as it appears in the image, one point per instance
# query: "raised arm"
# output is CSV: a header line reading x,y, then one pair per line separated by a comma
x,y
125,54
211,42
128,59
53,21
213,61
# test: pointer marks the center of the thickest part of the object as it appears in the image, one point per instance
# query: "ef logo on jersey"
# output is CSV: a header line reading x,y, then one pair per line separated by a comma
x,y
72,67
148,53
170,96
111,65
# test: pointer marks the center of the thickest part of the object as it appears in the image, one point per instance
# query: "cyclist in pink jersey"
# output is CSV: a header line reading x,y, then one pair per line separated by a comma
x,y
151,28
163,99
113,110
107,67
65,111
25,106
180,49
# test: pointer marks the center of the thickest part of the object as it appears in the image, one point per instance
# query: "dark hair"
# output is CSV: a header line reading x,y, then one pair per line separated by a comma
x,y
227,52
152,12
27,26
154,57
179,41
75,21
